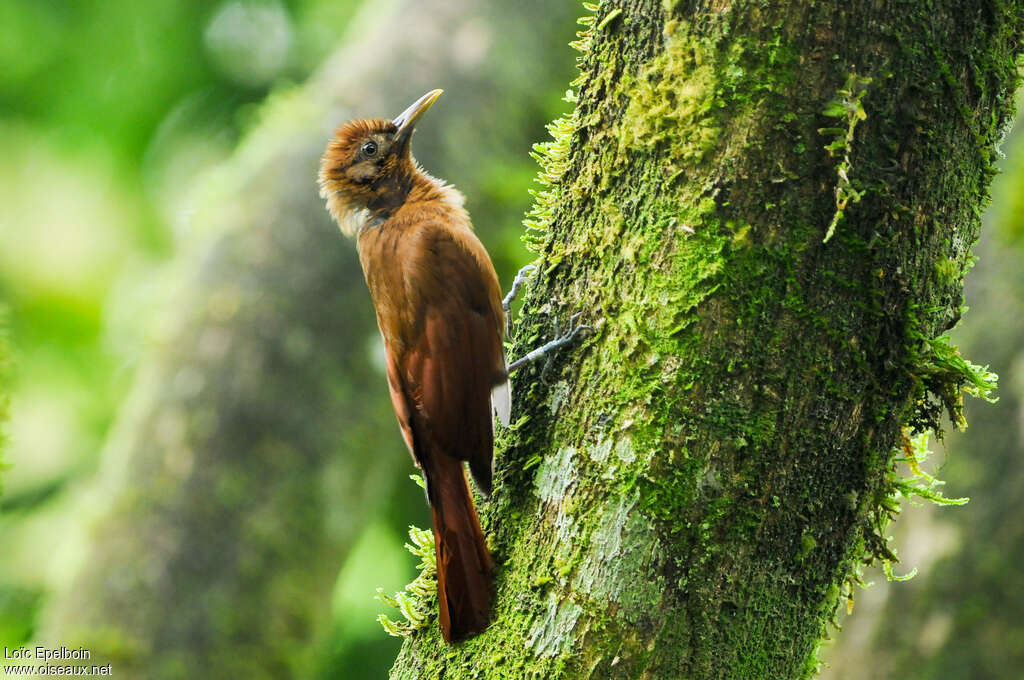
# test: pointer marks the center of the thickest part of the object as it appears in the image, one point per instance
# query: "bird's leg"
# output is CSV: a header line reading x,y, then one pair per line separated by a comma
x,y
547,348
506,304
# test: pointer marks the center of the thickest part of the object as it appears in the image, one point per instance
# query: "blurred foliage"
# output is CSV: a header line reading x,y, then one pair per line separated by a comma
x,y
5,358
108,108
109,111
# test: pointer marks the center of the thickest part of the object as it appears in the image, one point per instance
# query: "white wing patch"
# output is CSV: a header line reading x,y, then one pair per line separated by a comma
x,y
501,401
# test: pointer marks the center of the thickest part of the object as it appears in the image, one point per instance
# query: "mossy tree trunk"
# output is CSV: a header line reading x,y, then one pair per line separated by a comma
x,y
766,211
960,617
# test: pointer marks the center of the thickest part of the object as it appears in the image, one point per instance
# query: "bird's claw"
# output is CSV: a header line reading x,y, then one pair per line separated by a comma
x,y
559,341
506,304
573,331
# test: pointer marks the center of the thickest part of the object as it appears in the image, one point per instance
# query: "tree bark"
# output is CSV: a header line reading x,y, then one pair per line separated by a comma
x,y
766,212
959,617
248,457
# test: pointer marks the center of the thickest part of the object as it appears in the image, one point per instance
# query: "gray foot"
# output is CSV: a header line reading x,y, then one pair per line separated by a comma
x,y
546,349
506,304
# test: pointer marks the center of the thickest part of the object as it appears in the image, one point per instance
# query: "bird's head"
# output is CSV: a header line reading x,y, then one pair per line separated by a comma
x,y
368,166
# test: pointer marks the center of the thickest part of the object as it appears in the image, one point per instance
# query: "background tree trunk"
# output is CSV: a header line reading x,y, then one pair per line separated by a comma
x,y
5,358
766,211
249,458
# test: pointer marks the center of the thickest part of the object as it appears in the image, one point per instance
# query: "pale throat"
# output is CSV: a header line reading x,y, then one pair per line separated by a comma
x,y
354,217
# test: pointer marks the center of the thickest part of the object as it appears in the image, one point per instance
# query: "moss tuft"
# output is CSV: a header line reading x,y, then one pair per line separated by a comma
x,y
944,377
417,601
671,101
848,107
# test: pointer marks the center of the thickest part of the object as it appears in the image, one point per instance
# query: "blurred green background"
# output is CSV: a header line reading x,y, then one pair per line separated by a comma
x,y
115,119
122,123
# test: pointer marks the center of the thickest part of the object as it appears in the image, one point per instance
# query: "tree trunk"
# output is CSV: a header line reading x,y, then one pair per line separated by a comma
x,y
960,617
248,456
766,212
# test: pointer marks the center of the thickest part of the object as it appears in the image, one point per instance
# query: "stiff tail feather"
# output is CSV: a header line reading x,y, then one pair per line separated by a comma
x,y
463,563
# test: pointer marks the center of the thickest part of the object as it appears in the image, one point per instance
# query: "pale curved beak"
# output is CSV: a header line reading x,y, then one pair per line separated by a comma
x,y
406,120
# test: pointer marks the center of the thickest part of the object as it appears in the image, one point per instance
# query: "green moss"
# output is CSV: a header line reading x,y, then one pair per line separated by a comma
x,y
849,108
671,101
807,544
552,157
417,601
943,378
948,270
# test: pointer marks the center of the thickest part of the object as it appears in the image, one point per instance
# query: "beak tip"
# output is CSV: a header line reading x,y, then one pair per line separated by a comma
x,y
406,120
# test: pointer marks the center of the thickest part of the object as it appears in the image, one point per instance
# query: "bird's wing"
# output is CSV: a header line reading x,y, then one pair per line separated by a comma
x,y
449,369
401,401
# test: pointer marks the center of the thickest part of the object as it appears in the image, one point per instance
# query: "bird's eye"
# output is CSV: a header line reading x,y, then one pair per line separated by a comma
x,y
369,148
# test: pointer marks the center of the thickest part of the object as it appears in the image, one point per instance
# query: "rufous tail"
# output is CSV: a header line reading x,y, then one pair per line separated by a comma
x,y
463,563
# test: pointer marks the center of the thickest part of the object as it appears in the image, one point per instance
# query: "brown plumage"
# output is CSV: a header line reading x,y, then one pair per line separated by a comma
x,y
439,311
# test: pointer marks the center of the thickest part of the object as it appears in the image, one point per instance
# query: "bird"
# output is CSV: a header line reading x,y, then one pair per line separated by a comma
x,y
440,314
